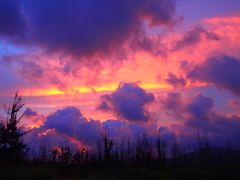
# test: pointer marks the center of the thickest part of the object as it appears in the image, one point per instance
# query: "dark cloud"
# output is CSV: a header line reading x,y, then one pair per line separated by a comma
x,y
120,130
171,101
71,122
69,127
175,81
194,112
31,70
9,79
194,36
24,70
127,102
11,20
157,12
171,104
204,118
65,125
30,112
198,115
221,70
80,27
150,45
199,108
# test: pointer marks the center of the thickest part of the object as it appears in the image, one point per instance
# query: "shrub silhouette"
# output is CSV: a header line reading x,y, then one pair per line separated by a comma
x,y
12,148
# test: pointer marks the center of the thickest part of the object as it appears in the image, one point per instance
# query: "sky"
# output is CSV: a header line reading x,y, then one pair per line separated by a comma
x,y
168,67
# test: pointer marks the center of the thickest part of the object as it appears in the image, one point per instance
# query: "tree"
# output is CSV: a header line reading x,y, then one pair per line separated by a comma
x,y
12,148
108,144
161,150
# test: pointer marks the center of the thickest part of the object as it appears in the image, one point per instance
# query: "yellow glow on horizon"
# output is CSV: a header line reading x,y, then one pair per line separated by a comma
x,y
43,92
75,90
104,88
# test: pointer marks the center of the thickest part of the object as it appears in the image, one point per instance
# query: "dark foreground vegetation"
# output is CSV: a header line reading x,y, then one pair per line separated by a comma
x,y
144,158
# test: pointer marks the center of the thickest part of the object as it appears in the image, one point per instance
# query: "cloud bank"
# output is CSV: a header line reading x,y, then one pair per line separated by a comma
x,y
82,28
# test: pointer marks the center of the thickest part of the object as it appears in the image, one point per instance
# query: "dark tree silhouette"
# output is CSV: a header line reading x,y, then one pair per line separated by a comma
x,y
108,145
12,148
161,151
43,154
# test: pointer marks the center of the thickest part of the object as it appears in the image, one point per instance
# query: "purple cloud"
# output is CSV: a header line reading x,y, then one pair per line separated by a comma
x,y
204,118
11,19
172,101
198,115
175,81
79,27
200,105
29,112
194,36
31,71
9,78
71,122
200,109
127,102
221,70
64,125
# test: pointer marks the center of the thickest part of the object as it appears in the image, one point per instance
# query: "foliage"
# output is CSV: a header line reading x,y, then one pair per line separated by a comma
x,y
12,148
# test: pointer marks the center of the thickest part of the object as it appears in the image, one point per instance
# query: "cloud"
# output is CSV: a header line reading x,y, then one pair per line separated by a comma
x,y
31,70
32,119
173,102
127,102
30,112
11,19
8,78
121,130
199,108
82,28
194,36
71,122
220,70
68,126
234,103
175,81
204,118
198,115
21,72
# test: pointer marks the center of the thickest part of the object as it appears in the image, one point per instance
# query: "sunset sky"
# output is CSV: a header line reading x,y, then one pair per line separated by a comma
x,y
128,66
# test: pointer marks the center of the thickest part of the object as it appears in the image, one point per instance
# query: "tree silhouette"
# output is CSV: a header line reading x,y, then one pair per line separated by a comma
x,y
108,145
12,148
